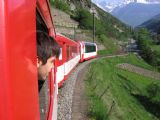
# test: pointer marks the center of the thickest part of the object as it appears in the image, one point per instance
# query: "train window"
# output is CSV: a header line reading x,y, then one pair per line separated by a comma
x,y
90,48
42,84
74,51
40,24
60,56
68,56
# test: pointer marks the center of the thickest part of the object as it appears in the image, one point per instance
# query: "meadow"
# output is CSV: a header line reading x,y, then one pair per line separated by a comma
x,y
117,94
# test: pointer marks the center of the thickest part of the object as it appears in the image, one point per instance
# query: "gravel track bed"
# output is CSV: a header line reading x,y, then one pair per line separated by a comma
x,y
66,92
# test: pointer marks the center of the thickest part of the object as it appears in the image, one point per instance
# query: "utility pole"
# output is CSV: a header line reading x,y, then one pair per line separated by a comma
x,y
93,12
93,25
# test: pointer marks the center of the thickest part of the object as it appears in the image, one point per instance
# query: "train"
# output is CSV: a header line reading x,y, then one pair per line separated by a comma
x,y
72,53
19,95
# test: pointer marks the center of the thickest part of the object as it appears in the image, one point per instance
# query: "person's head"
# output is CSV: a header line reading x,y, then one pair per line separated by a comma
x,y
47,51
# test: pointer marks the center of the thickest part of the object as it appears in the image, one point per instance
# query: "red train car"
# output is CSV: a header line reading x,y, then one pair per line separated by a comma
x,y
69,58
72,53
19,96
88,50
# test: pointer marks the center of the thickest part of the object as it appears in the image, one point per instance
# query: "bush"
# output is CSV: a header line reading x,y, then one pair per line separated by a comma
x,y
84,18
109,44
154,92
144,42
60,4
97,109
102,38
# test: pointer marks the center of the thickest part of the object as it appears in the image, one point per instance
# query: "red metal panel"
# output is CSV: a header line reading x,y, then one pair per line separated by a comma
x,y
4,91
19,88
44,9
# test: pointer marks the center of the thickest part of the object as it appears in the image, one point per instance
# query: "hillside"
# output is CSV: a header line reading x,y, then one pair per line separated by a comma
x,y
152,24
122,93
108,28
114,27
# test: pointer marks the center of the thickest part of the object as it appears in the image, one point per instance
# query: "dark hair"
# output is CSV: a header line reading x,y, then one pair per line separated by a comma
x,y
46,47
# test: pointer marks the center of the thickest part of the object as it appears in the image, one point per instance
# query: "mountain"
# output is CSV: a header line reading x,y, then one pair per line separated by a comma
x,y
135,14
110,5
152,24
130,12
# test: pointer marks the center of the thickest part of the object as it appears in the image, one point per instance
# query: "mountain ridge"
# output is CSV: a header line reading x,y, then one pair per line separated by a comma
x,y
110,5
153,24
135,14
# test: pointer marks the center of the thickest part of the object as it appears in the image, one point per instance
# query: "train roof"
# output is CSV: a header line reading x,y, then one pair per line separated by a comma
x,y
87,43
61,38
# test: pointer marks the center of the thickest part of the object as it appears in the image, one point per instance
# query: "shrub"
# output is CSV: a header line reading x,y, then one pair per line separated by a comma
x,y
60,4
84,18
97,109
144,42
154,92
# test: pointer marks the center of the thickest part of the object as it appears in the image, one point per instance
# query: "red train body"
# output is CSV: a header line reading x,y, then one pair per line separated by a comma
x,y
19,96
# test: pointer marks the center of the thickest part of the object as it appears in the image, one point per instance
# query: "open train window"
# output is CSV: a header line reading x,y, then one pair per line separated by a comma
x,y
40,24
42,84
60,56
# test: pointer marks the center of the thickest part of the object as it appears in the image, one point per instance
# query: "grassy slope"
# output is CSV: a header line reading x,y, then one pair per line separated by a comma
x,y
156,48
110,45
119,86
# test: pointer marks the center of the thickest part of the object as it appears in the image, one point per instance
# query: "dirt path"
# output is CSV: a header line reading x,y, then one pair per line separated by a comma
x,y
139,70
79,105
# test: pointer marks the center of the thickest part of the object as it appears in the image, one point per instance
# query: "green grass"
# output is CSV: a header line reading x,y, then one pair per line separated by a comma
x,y
156,48
117,89
106,52
109,44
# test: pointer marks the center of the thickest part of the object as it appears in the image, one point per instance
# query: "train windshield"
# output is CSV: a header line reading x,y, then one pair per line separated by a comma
x,y
90,48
